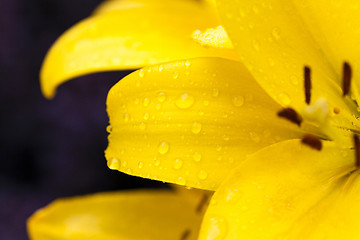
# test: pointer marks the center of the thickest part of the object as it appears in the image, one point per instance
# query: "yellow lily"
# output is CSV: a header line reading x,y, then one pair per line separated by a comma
x,y
275,137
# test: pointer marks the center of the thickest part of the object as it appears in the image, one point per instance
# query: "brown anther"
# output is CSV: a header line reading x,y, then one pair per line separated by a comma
x,y
307,84
185,235
346,78
203,201
312,141
291,115
357,149
336,110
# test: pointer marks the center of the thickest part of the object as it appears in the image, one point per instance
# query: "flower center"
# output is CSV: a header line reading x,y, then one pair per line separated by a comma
x,y
317,116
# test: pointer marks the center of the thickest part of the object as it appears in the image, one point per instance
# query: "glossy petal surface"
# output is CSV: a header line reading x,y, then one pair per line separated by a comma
x,y
147,214
139,34
336,27
288,191
275,44
190,122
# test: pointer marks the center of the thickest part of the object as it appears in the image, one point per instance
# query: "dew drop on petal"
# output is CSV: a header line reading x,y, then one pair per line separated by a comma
x,y
217,228
175,75
141,73
146,102
142,126
126,117
276,33
140,165
256,45
238,101
196,127
109,128
181,181
146,116
254,137
284,98
161,96
215,92
202,175
184,101
178,163
113,164
197,157
163,148
156,162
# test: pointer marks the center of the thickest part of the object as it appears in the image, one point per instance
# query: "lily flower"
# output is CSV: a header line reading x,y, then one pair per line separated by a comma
x,y
272,130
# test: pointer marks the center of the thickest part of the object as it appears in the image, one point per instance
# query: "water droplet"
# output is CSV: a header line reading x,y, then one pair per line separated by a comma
x,y
256,45
184,101
146,116
141,73
181,181
254,137
217,227
142,126
215,92
238,101
156,162
271,62
284,98
161,97
126,117
226,137
202,175
206,103
113,164
124,163
197,157
175,75
196,127
163,147
178,163
294,80
146,102
218,148
276,33
161,67
109,128
187,63
140,164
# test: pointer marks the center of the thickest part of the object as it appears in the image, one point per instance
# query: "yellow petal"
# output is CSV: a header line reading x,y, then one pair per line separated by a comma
x,y
190,122
146,214
274,43
213,38
288,191
336,27
129,38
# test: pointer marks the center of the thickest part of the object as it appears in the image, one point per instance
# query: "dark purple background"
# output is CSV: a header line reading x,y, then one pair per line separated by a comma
x,y
48,149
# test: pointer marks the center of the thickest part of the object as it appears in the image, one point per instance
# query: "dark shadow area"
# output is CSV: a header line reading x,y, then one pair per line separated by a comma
x,y
49,148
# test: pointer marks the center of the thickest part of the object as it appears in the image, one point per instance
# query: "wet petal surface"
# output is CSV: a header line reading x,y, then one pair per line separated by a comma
x,y
288,191
190,122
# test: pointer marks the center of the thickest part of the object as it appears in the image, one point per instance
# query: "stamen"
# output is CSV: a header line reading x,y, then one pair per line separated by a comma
x,y
291,115
312,141
202,203
307,84
185,234
347,72
357,149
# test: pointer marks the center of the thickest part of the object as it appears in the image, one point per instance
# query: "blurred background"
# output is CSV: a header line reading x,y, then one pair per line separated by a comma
x,y
48,148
